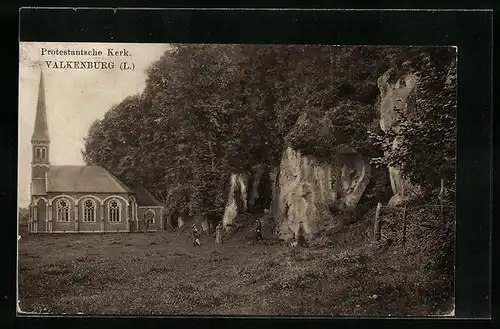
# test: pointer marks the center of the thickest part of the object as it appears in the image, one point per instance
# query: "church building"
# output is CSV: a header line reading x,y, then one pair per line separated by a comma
x,y
83,199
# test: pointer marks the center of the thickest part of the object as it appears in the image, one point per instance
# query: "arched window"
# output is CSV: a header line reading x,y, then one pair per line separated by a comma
x,y
149,216
89,210
114,211
38,153
44,155
63,210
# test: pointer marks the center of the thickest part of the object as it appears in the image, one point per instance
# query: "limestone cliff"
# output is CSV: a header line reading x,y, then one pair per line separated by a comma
x,y
309,189
249,192
398,95
355,173
274,181
237,198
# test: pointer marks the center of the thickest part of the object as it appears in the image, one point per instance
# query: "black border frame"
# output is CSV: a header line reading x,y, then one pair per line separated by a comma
x,y
471,31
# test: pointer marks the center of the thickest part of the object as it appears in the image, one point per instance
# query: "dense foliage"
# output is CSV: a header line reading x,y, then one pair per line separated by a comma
x,y
426,149
210,110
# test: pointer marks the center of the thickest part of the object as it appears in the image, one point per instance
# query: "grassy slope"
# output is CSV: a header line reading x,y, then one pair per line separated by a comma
x,y
162,273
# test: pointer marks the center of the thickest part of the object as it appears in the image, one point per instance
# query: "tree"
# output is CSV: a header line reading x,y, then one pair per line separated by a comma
x,y
426,153
211,110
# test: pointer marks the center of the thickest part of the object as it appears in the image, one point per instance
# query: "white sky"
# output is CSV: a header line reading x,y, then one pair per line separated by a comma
x,y
74,98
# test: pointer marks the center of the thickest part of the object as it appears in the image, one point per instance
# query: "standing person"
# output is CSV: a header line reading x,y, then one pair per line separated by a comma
x,y
258,229
300,237
218,233
196,235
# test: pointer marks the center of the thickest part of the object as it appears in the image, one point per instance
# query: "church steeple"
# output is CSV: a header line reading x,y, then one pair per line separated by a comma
x,y
40,140
41,131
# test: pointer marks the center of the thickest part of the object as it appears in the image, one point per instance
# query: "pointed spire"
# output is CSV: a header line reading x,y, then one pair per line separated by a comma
x,y
41,131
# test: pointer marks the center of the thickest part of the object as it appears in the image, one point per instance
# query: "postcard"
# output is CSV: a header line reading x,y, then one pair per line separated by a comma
x,y
236,179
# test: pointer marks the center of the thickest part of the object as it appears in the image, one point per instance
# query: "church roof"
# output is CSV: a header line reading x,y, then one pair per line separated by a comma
x,y
90,179
41,130
144,198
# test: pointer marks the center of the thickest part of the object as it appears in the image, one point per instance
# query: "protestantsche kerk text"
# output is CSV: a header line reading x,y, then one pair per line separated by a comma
x,y
86,64
85,52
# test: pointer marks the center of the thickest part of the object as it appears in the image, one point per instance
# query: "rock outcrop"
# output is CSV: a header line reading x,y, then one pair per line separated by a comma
x,y
309,189
237,199
355,173
249,192
274,180
398,95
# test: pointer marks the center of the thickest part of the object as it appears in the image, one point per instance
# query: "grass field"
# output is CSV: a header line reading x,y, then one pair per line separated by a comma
x,y
163,273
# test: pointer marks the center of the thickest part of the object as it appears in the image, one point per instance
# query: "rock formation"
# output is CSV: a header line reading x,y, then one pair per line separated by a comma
x,y
249,192
398,95
260,189
237,199
355,173
309,189
274,181
306,191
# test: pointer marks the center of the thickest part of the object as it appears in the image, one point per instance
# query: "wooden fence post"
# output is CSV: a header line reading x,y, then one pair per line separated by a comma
x,y
376,232
404,226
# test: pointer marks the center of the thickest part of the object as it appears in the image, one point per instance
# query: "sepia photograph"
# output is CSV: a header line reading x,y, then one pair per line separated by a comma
x,y
236,179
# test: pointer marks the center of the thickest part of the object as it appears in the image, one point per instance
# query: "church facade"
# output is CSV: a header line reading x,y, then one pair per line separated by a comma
x,y
83,199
